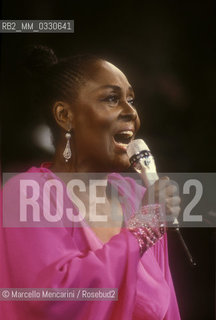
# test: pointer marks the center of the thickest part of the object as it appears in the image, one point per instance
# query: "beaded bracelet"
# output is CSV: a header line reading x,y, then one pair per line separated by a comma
x,y
146,226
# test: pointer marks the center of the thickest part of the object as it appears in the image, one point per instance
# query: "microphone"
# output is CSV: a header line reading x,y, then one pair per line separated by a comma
x,y
143,162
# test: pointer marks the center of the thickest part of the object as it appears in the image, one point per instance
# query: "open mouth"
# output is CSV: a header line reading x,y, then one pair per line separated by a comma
x,y
123,138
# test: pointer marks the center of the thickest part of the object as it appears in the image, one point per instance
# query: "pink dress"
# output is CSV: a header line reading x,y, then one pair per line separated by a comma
x,y
65,257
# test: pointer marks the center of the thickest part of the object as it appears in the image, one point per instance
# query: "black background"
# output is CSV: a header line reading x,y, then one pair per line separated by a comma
x,y
166,49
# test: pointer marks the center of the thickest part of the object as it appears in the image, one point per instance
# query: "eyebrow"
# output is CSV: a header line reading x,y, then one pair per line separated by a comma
x,y
117,88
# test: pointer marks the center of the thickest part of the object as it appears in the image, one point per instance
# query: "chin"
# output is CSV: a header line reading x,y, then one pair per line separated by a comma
x,y
122,164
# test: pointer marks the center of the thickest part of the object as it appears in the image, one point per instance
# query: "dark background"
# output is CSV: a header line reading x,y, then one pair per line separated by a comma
x,y
167,51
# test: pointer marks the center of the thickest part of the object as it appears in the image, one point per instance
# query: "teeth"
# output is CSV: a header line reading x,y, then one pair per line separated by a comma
x,y
123,137
122,144
127,133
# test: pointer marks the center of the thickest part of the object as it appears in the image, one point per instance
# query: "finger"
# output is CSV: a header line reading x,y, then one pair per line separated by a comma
x,y
162,183
171,190
168,191
165,178
173,211
173,201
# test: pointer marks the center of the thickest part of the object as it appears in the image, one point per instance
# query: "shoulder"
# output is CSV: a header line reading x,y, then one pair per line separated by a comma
x,y
33,174
23,192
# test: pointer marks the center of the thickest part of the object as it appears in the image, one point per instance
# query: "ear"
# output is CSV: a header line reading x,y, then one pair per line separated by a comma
x,y
63,115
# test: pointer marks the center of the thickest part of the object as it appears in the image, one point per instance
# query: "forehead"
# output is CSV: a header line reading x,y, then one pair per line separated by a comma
x,y
105,73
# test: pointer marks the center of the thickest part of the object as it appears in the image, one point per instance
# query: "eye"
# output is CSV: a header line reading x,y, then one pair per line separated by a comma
x,y
131,101
112,99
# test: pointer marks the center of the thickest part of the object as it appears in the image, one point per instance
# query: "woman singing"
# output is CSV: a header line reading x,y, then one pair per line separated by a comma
x,y
89,105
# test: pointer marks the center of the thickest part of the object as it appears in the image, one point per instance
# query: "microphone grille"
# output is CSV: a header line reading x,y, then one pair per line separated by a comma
x,y
136,146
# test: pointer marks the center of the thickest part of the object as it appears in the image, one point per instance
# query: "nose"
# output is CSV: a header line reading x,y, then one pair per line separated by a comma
x,y
128,112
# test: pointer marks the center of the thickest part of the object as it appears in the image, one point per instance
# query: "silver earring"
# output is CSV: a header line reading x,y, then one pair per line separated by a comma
x,y
67,151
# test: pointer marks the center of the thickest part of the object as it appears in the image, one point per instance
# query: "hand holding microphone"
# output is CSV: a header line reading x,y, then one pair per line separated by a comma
x,y
159,190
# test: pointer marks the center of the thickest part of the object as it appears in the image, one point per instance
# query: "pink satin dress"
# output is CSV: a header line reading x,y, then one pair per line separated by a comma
x,y
73,257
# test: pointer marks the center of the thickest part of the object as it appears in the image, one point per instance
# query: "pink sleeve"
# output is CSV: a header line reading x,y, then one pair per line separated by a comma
x,y
51,257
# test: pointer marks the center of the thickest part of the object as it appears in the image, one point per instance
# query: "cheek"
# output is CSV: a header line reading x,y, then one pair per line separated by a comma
x,y
94,131
138,123
94,115
95,122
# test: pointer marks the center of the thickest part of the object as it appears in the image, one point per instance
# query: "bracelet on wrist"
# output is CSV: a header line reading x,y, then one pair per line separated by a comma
x,y
146,226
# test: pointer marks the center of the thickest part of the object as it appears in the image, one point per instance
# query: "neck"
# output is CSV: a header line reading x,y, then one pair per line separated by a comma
x,y
94,184
74,164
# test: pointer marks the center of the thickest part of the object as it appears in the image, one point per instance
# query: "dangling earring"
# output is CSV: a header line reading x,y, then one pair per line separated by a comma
x,y
67,151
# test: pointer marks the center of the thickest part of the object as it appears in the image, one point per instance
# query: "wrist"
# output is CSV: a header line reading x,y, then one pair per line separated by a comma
x,y
146,226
